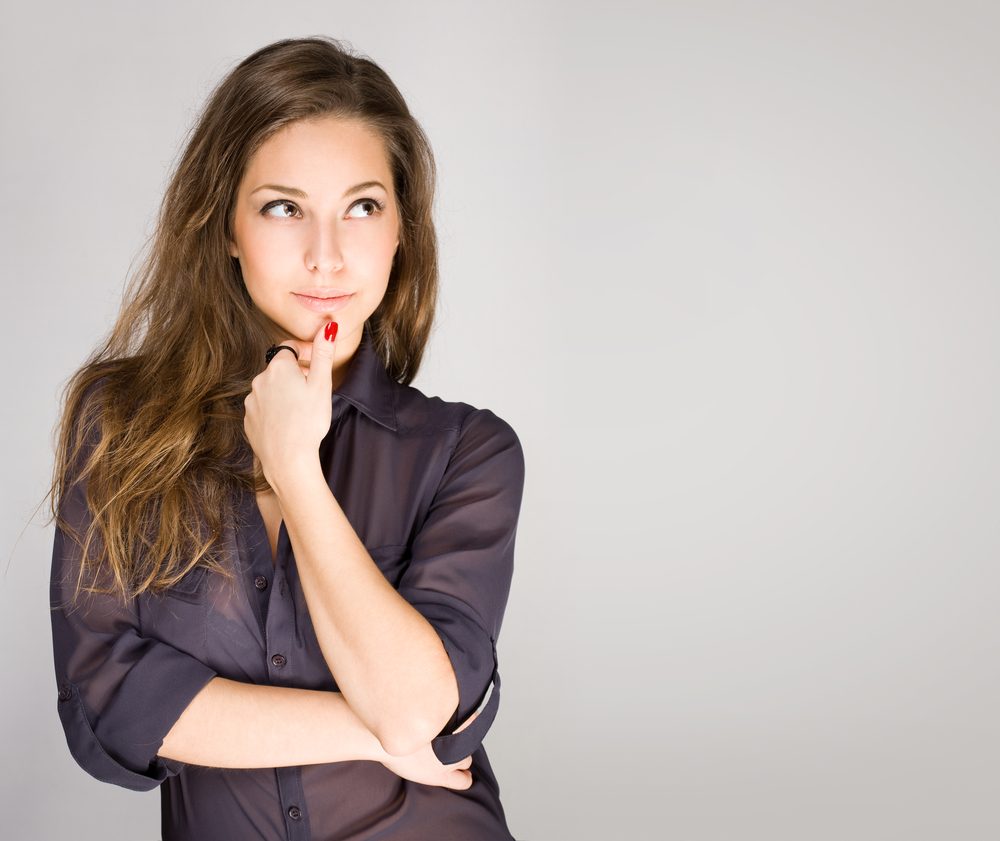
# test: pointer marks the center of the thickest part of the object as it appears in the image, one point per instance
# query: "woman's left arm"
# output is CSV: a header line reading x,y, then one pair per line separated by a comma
x,y
414,663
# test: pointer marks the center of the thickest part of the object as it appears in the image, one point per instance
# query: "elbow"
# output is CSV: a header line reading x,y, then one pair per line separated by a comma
x,y
400,744
410,736
407,739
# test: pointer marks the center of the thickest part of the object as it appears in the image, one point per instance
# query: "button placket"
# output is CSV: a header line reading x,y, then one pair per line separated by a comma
x,y
292,797
253,545
279,634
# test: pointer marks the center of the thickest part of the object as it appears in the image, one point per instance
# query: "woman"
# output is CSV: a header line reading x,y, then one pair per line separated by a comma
x,y
279,570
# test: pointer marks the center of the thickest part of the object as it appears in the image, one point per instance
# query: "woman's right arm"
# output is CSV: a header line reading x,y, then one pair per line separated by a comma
x,y
230,724
136,710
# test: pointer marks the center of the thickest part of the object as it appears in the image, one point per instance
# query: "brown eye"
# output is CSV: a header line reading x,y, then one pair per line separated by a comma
x,y
377,206
277,203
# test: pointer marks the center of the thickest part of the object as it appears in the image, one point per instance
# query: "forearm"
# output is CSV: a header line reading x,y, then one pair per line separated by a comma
x,y
230,724
388,660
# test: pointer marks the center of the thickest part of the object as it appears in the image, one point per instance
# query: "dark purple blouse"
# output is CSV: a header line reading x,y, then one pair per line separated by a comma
x,y
433,489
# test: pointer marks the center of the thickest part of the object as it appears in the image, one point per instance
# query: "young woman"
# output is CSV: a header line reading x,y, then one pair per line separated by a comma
x,y
279,570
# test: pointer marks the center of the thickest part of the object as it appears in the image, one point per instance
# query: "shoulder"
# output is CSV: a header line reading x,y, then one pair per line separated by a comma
x,y
85,414
420,414
471,443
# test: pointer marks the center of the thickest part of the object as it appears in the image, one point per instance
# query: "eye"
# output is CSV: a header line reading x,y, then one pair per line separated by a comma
x,y
379,206
278,203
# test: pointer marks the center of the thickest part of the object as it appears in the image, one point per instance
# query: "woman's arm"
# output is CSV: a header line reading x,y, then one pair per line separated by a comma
x,y
415,660
388,660
410,664
230,724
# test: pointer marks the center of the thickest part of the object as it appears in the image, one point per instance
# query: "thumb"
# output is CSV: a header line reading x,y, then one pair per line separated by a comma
x,y
321,363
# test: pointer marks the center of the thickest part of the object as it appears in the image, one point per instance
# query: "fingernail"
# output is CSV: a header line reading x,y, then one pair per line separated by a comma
x,y
331,331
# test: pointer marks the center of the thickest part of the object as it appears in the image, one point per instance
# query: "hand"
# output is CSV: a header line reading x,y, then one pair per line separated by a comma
x,y
289,410
423,766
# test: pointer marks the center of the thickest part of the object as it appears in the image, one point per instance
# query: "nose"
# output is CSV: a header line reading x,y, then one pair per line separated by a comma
x,y
324,253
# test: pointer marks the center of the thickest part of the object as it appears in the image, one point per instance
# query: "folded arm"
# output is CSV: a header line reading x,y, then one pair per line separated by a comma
x,y
413,662
230,724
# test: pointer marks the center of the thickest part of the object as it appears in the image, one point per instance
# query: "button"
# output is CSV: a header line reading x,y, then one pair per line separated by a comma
x,y
295,813
65,693
260,582
278,660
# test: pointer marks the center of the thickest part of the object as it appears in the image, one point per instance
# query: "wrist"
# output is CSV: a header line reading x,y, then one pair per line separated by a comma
x,y
297,474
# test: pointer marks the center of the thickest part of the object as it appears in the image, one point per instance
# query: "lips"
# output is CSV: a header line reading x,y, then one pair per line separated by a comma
x,y
323,292
324,304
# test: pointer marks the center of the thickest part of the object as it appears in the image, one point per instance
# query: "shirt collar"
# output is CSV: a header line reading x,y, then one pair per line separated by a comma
x,y
367,385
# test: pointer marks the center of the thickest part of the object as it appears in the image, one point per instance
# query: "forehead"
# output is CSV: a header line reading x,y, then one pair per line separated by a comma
x,y
321,153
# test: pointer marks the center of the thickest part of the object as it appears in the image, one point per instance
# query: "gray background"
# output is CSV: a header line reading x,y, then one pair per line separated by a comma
x,y
730,270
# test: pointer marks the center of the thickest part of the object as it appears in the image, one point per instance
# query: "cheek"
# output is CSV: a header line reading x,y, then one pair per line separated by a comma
x,y
262,262
385,250
259,273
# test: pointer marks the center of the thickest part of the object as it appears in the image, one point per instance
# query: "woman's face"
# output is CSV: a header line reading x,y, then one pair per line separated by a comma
x,y
317,230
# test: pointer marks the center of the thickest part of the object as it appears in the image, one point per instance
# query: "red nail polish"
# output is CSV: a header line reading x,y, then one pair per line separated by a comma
x,y
331,331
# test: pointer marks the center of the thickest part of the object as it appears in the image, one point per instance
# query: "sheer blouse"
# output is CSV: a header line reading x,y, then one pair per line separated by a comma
x,y
433,489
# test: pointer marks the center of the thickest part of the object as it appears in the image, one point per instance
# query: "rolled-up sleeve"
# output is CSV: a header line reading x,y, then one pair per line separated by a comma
x,y
461,565
119,693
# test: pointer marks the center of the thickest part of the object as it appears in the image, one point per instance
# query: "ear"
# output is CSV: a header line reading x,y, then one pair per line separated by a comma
x,y
233,250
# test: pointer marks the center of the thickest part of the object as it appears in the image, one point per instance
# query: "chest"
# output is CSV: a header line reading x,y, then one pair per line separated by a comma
x,y
270,511
383,482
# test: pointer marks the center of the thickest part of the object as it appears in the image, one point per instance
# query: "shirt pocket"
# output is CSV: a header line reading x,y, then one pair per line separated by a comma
x,y
190,588
392,559
178,616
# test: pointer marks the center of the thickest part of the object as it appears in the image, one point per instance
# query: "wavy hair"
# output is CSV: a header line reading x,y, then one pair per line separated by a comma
x,y
157,410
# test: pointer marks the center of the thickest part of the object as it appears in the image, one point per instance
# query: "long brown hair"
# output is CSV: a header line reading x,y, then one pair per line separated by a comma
x,y
158,408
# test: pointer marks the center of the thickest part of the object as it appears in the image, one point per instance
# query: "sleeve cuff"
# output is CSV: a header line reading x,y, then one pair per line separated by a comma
x,y
120,747
449,746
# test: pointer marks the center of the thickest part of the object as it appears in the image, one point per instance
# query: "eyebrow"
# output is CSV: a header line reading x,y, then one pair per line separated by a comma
x,y
295,191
